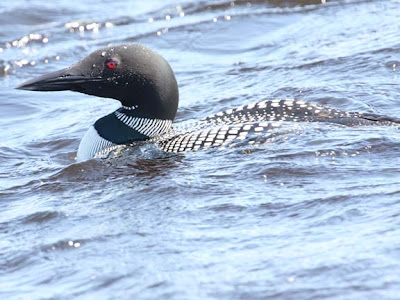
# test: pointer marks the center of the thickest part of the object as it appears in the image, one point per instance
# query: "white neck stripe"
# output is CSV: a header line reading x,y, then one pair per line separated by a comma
x,y
145,126
129,107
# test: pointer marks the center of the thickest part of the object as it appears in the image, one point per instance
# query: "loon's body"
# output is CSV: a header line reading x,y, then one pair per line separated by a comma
x,y
146,86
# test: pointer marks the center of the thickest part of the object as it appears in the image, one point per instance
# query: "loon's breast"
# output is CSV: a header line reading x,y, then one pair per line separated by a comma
x,y
262,118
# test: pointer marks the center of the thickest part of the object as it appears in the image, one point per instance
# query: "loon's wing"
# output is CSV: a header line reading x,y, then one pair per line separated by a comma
x,y
218,136
262,118
295,111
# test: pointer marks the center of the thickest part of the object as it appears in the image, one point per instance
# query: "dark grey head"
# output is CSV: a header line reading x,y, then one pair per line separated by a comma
x,y
131,73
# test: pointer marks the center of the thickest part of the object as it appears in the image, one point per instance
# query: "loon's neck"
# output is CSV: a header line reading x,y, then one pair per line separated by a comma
x,y
124,126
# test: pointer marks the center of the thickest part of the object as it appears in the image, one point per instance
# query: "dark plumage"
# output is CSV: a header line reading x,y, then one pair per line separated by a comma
x,y
145,85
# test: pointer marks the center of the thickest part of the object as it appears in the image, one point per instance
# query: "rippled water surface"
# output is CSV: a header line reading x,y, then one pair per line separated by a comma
x,y
313,214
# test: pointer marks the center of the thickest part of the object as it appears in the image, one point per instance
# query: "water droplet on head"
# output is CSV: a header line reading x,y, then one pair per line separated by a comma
x,y
103,53
94,66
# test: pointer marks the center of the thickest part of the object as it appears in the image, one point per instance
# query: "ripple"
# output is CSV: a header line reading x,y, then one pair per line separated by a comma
x,y
310,212
41,216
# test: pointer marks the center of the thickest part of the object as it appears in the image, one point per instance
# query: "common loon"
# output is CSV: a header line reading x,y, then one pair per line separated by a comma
x,y
145,85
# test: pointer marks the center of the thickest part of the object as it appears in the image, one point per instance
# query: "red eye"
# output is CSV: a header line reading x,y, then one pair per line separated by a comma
x,y
111,64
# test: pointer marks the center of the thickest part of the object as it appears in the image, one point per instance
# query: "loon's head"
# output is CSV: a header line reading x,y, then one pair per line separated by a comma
x,y
131,73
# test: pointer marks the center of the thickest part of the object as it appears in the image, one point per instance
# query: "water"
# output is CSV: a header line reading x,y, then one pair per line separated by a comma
x,y
313,214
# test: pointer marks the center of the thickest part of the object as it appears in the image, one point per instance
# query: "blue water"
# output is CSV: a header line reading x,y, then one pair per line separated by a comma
x,y
313,214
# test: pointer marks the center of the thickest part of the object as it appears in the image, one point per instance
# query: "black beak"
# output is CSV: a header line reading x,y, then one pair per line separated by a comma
x,y
57,81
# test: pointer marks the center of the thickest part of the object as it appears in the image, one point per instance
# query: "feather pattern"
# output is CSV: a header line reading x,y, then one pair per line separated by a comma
x,y
239,124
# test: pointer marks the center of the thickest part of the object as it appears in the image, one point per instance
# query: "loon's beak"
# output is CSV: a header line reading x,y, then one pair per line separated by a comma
x,y
57,81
